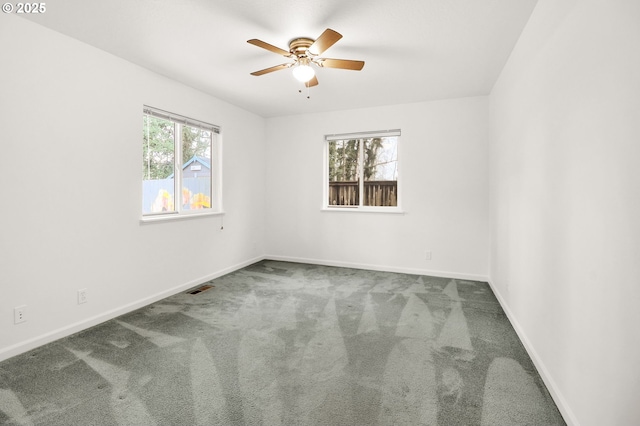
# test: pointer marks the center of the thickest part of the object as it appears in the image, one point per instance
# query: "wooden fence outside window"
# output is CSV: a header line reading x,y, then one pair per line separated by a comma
x,y
376,193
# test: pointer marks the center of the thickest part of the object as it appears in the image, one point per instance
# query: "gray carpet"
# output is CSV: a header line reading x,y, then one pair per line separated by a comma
x,y
290,344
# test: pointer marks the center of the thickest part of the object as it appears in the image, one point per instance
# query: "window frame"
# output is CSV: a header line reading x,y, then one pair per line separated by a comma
x,y
215,168
361,208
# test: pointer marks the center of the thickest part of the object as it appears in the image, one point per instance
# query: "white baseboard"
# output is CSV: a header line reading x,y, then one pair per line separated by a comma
x,y
70,329
557,396
386,268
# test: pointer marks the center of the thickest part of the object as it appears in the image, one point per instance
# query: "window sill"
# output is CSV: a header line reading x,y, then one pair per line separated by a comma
x,y
175,216
382,210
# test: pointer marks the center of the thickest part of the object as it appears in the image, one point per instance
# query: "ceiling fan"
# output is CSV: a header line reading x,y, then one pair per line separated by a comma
x,y
305,52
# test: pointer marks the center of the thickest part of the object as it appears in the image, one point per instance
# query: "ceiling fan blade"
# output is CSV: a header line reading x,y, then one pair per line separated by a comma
x,y
312,82
325,41
345,64
272,69
269,47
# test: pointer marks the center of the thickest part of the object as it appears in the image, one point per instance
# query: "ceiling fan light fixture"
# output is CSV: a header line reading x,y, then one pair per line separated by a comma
x,y
303,72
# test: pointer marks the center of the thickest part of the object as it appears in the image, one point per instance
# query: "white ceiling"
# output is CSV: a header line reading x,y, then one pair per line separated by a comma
x,y
415,50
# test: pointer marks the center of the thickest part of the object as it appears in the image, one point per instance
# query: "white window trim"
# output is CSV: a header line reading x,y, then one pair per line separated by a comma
x,y
325,175
216,175
365,209
162,217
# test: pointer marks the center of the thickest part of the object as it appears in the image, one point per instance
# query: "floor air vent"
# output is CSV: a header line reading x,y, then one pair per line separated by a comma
x,y
201,289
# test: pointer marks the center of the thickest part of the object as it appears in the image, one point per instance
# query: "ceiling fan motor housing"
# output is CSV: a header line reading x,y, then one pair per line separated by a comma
x,y
300,46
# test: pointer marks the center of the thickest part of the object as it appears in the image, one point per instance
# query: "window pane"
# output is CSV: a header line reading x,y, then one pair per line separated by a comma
x,y
380,171
157,165
344,173
196,168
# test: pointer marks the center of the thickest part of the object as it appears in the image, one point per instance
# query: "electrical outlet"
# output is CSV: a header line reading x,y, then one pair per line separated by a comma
x,y
19,314
82,296
427,255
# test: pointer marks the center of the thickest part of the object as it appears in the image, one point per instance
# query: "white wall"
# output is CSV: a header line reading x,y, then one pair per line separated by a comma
x,y
444,190
565,209
70,123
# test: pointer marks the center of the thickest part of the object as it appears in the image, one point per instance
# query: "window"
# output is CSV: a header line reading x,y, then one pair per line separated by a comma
x,y
362,170
180,165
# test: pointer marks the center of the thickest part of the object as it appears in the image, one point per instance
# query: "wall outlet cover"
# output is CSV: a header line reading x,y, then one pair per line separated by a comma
x,y
19,314
82,296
